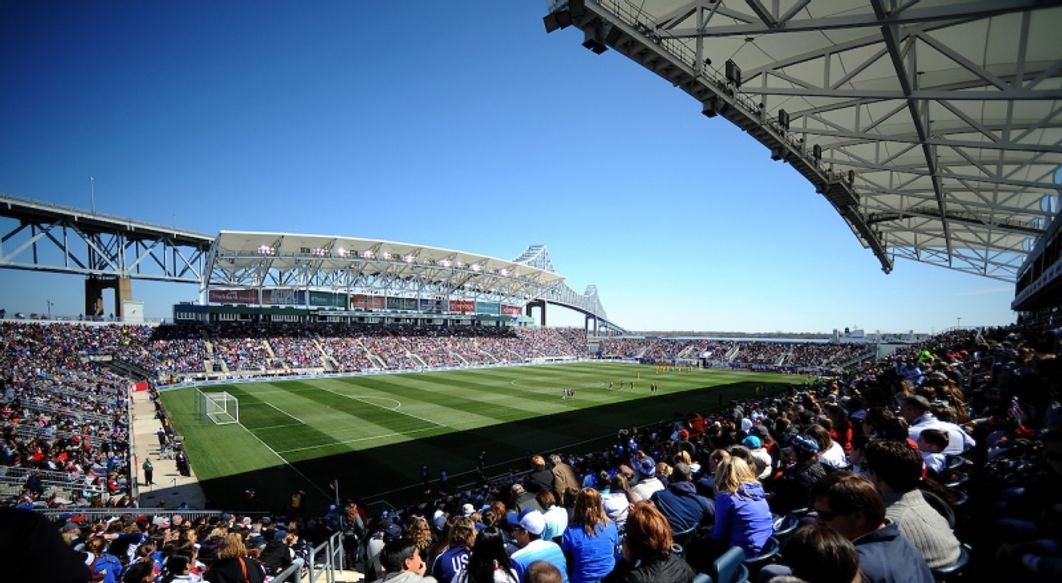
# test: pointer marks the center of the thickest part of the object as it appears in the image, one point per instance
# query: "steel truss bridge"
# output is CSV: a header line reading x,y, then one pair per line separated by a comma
x,y
112,251
933,127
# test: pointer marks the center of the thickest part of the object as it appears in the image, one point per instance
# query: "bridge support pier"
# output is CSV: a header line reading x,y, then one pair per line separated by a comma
x,y
586,324
94,287
542,313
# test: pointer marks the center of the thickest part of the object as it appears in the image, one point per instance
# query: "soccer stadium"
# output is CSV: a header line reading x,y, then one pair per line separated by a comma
x,y
339,406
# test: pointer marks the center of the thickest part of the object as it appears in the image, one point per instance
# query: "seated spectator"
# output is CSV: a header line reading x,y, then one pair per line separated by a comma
x,y
831,454
849,504
684,509
742,516
542,572
590,540
233,565
916,410
931,444
792,489
647,556
488,561
556,517
896,469
617,501
402,562
528,531
819,554
649,483
460,540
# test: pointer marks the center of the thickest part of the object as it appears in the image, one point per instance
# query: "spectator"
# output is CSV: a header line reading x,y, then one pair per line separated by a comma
x,y
591,539
233,565
527,531
402,562
565,481
916,410
742,517
647,556
896,469
818,554
488,562
684,509
460,540
849,504
543,572
649,483
556,517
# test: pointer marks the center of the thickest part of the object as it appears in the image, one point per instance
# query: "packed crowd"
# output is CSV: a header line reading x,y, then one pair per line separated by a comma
x,y
894,471
736,353
64,419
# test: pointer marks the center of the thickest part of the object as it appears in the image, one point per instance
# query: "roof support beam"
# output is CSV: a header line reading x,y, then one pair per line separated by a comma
x,y
890,32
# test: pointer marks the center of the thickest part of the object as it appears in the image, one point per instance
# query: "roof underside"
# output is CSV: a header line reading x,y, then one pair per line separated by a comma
x,y
946,112
284,259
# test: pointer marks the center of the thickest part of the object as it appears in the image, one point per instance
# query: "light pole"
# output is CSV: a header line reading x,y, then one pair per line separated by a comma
x,y
50,304
958,322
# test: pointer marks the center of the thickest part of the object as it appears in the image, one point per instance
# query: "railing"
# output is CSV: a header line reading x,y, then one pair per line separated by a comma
x,y
324,560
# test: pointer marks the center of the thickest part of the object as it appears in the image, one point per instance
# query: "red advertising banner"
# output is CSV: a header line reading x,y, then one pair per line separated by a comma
x,y
463,306
234,296
141,386
366,302
511,310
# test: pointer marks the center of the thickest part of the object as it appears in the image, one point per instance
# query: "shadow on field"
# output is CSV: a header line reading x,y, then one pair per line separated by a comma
x,y
392,474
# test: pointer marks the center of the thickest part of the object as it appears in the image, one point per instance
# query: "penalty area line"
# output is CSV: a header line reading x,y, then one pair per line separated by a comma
x,y
286,462
348,441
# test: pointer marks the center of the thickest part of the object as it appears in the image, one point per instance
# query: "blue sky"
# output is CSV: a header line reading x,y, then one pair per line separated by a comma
x,y
459,125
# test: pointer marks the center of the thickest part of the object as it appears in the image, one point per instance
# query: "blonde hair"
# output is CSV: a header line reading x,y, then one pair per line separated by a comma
x,y
233,547
731,474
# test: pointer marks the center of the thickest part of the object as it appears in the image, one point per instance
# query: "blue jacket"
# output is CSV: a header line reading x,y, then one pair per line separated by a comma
x,y
743,519
590,557
885,556
683,507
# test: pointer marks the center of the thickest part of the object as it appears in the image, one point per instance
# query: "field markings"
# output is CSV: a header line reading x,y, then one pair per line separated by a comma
x,y
276,426
395,410
283,459
359,439
284,412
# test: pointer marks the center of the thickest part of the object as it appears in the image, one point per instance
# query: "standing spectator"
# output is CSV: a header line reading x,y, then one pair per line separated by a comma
x,y
149,472
565,481
540,478
647,556
590,542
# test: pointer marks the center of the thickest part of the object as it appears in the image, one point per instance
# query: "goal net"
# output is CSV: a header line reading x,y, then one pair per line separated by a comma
x,y
218,408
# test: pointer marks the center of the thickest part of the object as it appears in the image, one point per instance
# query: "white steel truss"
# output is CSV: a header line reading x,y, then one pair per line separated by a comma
x,y
934,127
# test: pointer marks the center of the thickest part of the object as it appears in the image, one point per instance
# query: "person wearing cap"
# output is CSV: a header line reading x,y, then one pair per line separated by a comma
x,y
649,483
916,410
528,533
759,455
793,489
684,509
522,499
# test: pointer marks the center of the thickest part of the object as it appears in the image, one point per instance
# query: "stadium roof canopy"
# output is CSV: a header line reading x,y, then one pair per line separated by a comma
x,y
284,260
934,127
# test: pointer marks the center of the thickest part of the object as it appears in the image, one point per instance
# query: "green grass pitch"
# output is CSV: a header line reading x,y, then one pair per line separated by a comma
x,y
373,433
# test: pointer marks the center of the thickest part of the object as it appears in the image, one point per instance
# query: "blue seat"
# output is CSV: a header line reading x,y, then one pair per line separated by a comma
x,y
766,556
728,568
948,572
784,526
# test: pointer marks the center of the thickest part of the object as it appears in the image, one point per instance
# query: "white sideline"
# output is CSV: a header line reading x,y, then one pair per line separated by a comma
x,y
370,438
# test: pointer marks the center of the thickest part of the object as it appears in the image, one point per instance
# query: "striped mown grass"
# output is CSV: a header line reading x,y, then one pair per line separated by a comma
x,y
374,433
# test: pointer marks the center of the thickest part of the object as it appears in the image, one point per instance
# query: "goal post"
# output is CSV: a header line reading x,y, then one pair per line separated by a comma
x,y
219,408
